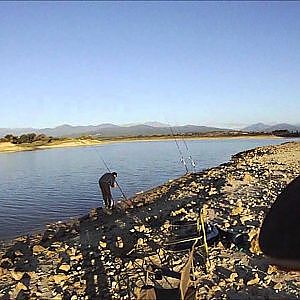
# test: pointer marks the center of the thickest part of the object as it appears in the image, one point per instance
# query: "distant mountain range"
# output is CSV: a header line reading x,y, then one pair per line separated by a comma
x,y
111,130
261,127
148,128
153,124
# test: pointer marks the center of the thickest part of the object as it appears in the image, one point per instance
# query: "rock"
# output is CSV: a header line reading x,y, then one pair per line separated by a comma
x,y
77,285
18,249
71,251
233,277
278,286
272,269
216,288
76,257
129,265
93,213
6,263
64,258
166,225
2,271
26,264
51,254
253,232
178,212
212,191
141,228
140,242
103,244
278,278
32,275
119,242
268,279
255,246
37,249
20,286
236,211
235,222
59,278
227,225
248,178
18,253
64,268
246,218
253,281
16,275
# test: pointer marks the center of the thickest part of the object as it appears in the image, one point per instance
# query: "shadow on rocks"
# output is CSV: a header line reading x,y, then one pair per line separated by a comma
x,y
99,235
255,292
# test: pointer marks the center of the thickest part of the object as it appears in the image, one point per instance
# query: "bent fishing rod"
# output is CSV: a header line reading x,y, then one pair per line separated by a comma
x,y
193,164
124,196
115,179
105,164
180,152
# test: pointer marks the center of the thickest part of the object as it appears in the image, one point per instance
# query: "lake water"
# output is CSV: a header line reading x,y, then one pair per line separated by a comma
x,y
39,187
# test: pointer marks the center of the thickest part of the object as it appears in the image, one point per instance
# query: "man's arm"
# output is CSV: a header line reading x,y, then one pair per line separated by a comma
x,y
113,183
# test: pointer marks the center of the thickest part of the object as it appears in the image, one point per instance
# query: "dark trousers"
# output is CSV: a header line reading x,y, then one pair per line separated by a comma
x,y
107,197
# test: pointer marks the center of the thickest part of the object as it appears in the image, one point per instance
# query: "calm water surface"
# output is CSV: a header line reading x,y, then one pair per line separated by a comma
x,y
39,187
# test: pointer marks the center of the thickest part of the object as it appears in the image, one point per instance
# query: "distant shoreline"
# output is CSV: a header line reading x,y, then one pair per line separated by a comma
x,y
7,147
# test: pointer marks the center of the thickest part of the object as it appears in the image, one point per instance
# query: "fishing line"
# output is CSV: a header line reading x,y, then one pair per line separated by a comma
x,y
182,160
108,169
126,202
192,162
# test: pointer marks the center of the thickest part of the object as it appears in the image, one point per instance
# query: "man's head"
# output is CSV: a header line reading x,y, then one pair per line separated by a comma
x,y
114,174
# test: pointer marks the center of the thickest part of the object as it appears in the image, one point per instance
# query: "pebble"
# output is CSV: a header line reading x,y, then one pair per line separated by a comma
x,y
17,275
37,249
64,267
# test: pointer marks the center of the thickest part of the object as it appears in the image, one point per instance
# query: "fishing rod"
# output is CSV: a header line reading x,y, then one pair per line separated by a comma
x,y
105,164
193,164
180,152
124,196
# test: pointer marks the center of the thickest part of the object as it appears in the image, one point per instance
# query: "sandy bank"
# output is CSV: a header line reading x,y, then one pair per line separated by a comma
x,y
103,256
9,147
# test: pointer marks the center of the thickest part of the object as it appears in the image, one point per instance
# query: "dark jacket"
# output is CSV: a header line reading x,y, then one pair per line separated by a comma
x,y
107,178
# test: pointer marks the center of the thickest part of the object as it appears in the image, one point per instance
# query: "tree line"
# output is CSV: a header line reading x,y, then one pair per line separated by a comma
x,y
26,138
286,133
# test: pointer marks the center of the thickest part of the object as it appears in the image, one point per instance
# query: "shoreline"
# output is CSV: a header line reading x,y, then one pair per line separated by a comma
x,y
65,258
7,147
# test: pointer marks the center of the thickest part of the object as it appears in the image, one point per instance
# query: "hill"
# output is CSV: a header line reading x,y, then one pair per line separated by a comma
x,y
110,130
261,127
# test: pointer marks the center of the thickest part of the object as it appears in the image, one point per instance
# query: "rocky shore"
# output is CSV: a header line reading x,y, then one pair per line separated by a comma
x,y
147,240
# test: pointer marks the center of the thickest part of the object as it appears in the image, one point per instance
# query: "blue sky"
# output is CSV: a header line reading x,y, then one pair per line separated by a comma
x,y
206,63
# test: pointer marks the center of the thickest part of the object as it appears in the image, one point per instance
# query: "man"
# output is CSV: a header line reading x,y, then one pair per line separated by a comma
x,y
107,181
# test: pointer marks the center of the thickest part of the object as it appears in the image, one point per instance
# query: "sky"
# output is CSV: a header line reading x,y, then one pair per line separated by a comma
x,y
224,64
